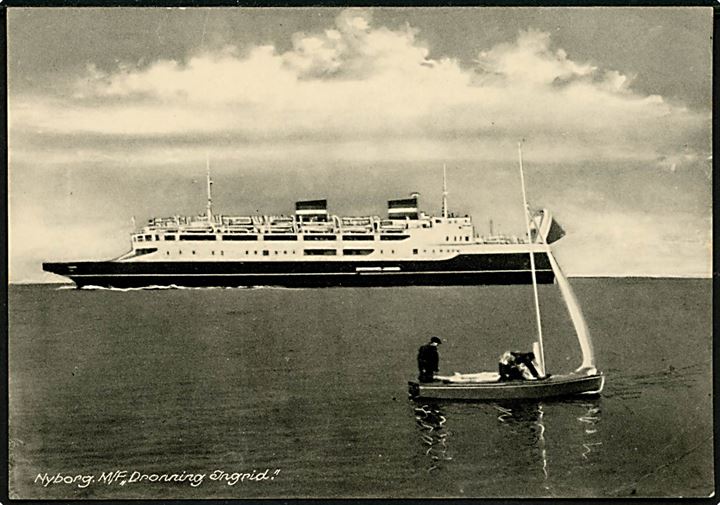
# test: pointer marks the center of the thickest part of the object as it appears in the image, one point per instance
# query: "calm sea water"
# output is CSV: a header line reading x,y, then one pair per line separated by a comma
x,y
306,391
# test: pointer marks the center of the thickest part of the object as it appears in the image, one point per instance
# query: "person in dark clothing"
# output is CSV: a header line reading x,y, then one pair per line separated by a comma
x,y
517,366
428,360
528,360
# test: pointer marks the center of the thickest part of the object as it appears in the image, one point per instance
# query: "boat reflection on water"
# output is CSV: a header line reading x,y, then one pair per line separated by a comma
x,y
523,425
512,438
430,420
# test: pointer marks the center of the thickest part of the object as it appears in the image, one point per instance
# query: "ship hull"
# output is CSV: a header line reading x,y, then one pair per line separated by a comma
x,y
464,269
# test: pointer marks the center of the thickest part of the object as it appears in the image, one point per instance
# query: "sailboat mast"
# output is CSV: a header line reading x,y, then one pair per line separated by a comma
x,y
541,358
209,191
445,193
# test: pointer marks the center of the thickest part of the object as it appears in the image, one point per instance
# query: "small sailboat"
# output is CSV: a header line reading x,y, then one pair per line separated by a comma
x,y
585,380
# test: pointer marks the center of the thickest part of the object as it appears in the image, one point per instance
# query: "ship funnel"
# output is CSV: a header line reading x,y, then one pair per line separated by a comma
x,y
404,208
311,210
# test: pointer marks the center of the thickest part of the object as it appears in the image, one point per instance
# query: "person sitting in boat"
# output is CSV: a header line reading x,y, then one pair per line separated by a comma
x,y
518,366
428,360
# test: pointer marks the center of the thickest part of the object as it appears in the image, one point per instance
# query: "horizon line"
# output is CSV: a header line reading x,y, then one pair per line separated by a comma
x,y
578,276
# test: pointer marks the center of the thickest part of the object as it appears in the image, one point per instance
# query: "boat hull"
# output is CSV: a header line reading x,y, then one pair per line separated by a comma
x,y
511,268
552,387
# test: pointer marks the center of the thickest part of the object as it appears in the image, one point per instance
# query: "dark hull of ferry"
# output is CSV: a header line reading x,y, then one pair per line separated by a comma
x,y
475,269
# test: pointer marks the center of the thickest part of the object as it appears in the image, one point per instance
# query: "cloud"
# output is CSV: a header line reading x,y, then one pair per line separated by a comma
x,y
34,238
635,241
357,82
354,50
530,61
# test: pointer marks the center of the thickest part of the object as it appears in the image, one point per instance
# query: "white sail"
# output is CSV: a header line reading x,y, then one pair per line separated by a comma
x,y
581,328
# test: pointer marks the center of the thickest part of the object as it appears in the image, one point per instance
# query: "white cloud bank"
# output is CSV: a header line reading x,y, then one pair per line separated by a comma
x,y
355,82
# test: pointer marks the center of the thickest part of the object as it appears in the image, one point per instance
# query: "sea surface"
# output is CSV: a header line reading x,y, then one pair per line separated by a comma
x,y
262,392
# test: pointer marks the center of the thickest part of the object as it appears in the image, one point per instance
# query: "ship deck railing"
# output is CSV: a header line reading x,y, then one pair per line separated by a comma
x,y
500,240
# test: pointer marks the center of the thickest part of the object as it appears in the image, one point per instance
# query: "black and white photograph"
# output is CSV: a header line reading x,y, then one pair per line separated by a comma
x,y
359,252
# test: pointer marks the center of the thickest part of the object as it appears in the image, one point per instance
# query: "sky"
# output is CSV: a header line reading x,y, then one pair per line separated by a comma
x,y
112,114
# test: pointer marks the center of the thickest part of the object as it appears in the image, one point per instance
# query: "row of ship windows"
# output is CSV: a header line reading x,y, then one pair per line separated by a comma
x,y
313,252
149,238
306,252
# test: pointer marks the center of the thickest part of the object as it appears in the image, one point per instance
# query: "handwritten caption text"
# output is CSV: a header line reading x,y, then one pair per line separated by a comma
x,y
125,477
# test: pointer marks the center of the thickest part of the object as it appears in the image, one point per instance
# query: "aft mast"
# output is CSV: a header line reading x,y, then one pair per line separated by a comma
x,y
541,357
445,193
209,192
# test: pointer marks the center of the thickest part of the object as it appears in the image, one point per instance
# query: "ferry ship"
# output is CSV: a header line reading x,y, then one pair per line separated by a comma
x,y
314,248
